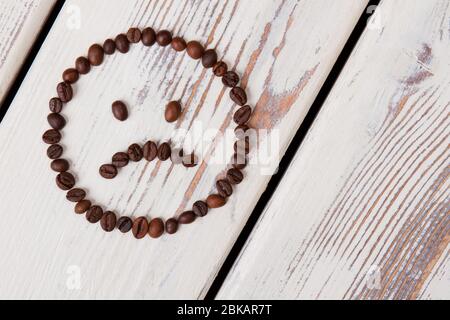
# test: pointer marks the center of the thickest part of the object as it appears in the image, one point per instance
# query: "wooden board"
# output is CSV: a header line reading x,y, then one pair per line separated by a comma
x,y
283,49
20,22
363,210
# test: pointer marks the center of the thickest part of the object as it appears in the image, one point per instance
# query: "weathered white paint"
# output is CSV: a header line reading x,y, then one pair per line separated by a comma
x,y
363,210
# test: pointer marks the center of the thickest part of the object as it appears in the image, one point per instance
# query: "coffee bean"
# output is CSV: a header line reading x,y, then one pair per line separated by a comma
x,y
56,121
70,75
94,214
242,115
60,165
173,110
224,188
55,105
164,38
140,227
235,176
65,181
238,95
178,44
220,68
54,151
195,50
241,131
51,136
186,217
190,160
215,201
124,224
150,150
164,151
200,208
239,161
65,92
82,65
108,221
76,195
177,156
148,37
230,79
209,58
134,35
96,54
82,206
119,110
108,171
135,152
122,43
120,159
171,226
242,146
109,46
156,228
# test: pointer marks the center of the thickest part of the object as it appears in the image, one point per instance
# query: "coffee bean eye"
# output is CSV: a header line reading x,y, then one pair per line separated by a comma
x,y
151,150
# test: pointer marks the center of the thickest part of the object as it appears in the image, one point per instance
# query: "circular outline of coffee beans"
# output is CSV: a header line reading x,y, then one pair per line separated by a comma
x,y
141,226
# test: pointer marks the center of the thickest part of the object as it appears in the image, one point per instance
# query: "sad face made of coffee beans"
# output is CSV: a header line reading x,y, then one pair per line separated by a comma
x,y
151,150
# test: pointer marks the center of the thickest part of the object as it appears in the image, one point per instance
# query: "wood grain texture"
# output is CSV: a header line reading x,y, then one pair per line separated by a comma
x,y
283,49
20,23
363,210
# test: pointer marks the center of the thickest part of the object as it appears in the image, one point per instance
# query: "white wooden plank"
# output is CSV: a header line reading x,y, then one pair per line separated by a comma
x,y
363,210
285,50
20,23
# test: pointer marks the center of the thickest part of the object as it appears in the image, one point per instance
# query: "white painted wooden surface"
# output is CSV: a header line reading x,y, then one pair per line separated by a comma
x,y
363,210
284,49
20,23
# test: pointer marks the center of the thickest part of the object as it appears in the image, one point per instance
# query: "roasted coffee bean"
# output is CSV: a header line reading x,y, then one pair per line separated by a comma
x,y
109,46
108,171
55,105
241,131
56,121
82,65
220,68
156,228
65,181
190,160
230,79
177,156
148,37
215,201
235,176
195,50
124,224
60,165
134,35
238,95
120,159
186,217
242,115
200,208
164,151
178,44
108,221
209,58
239,161
224,188
122,43
54,151
164,38
94,214
119,110
173,110
135,152
70,75
242,146
82,206
96,54
76,195
140,227
65,92
171,226
150,150
51,136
